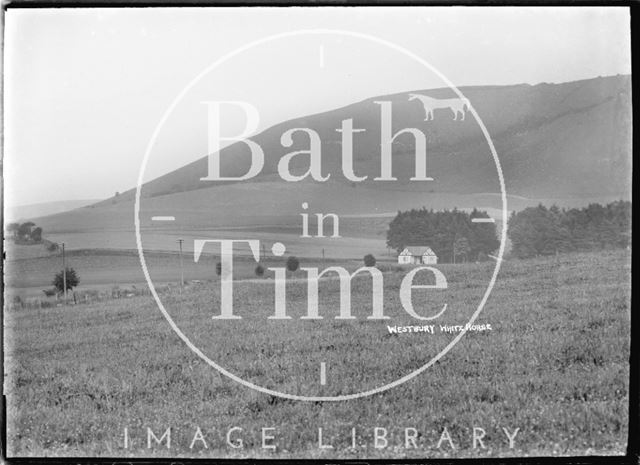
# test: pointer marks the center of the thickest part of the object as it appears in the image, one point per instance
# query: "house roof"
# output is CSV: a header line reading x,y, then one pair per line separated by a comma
x,y
419,250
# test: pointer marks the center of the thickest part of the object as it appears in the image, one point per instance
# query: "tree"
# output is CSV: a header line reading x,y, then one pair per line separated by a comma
x,y
483,236
72,280
440,229
13,229
546,231
292,263
369,260
461,247
36,235
259,270
536,231
24,231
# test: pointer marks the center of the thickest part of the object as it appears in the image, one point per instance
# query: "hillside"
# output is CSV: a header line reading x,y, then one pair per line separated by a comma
x,y
554,140
24,212
558,143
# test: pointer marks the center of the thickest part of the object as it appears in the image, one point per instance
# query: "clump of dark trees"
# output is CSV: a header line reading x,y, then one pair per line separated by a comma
x,y
546,231
450,233
25,233
533,231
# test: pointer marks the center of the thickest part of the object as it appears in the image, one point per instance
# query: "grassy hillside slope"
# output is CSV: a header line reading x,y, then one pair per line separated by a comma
x,y
567,144
577,132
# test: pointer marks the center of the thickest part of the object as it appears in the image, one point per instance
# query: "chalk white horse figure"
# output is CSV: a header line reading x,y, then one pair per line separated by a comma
x,y
457,105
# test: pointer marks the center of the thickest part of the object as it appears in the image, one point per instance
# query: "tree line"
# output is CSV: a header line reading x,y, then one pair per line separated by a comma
x,y
545,231
451,234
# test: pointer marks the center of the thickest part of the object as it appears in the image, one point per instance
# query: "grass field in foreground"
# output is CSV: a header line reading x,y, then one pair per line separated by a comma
x,y
555,366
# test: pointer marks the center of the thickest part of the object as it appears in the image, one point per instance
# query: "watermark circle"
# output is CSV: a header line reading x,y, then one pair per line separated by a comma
x,y
187,341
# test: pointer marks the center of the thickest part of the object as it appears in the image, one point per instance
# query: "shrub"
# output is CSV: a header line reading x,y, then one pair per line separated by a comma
x,y
36,235
49,292
13,228
292,263
259,270
369,260
72,280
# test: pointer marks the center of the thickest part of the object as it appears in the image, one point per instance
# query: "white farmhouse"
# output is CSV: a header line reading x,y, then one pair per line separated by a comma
x,y
415,254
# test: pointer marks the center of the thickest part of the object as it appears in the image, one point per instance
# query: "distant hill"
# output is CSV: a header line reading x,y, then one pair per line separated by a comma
x,y
28,212
567,143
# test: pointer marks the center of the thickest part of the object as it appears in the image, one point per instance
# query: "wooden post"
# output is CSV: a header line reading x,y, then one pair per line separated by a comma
x,y
64,274
180,241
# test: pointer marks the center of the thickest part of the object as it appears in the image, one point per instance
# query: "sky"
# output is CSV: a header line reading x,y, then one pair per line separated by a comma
x,y
85,89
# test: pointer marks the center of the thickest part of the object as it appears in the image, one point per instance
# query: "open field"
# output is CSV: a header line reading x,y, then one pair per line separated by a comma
x,y
106,268
101,242
555,365
266,210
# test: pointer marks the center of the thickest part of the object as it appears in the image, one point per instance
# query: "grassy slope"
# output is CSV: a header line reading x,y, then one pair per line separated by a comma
x,y
567,143
560,140
556,366
264,203
20,213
